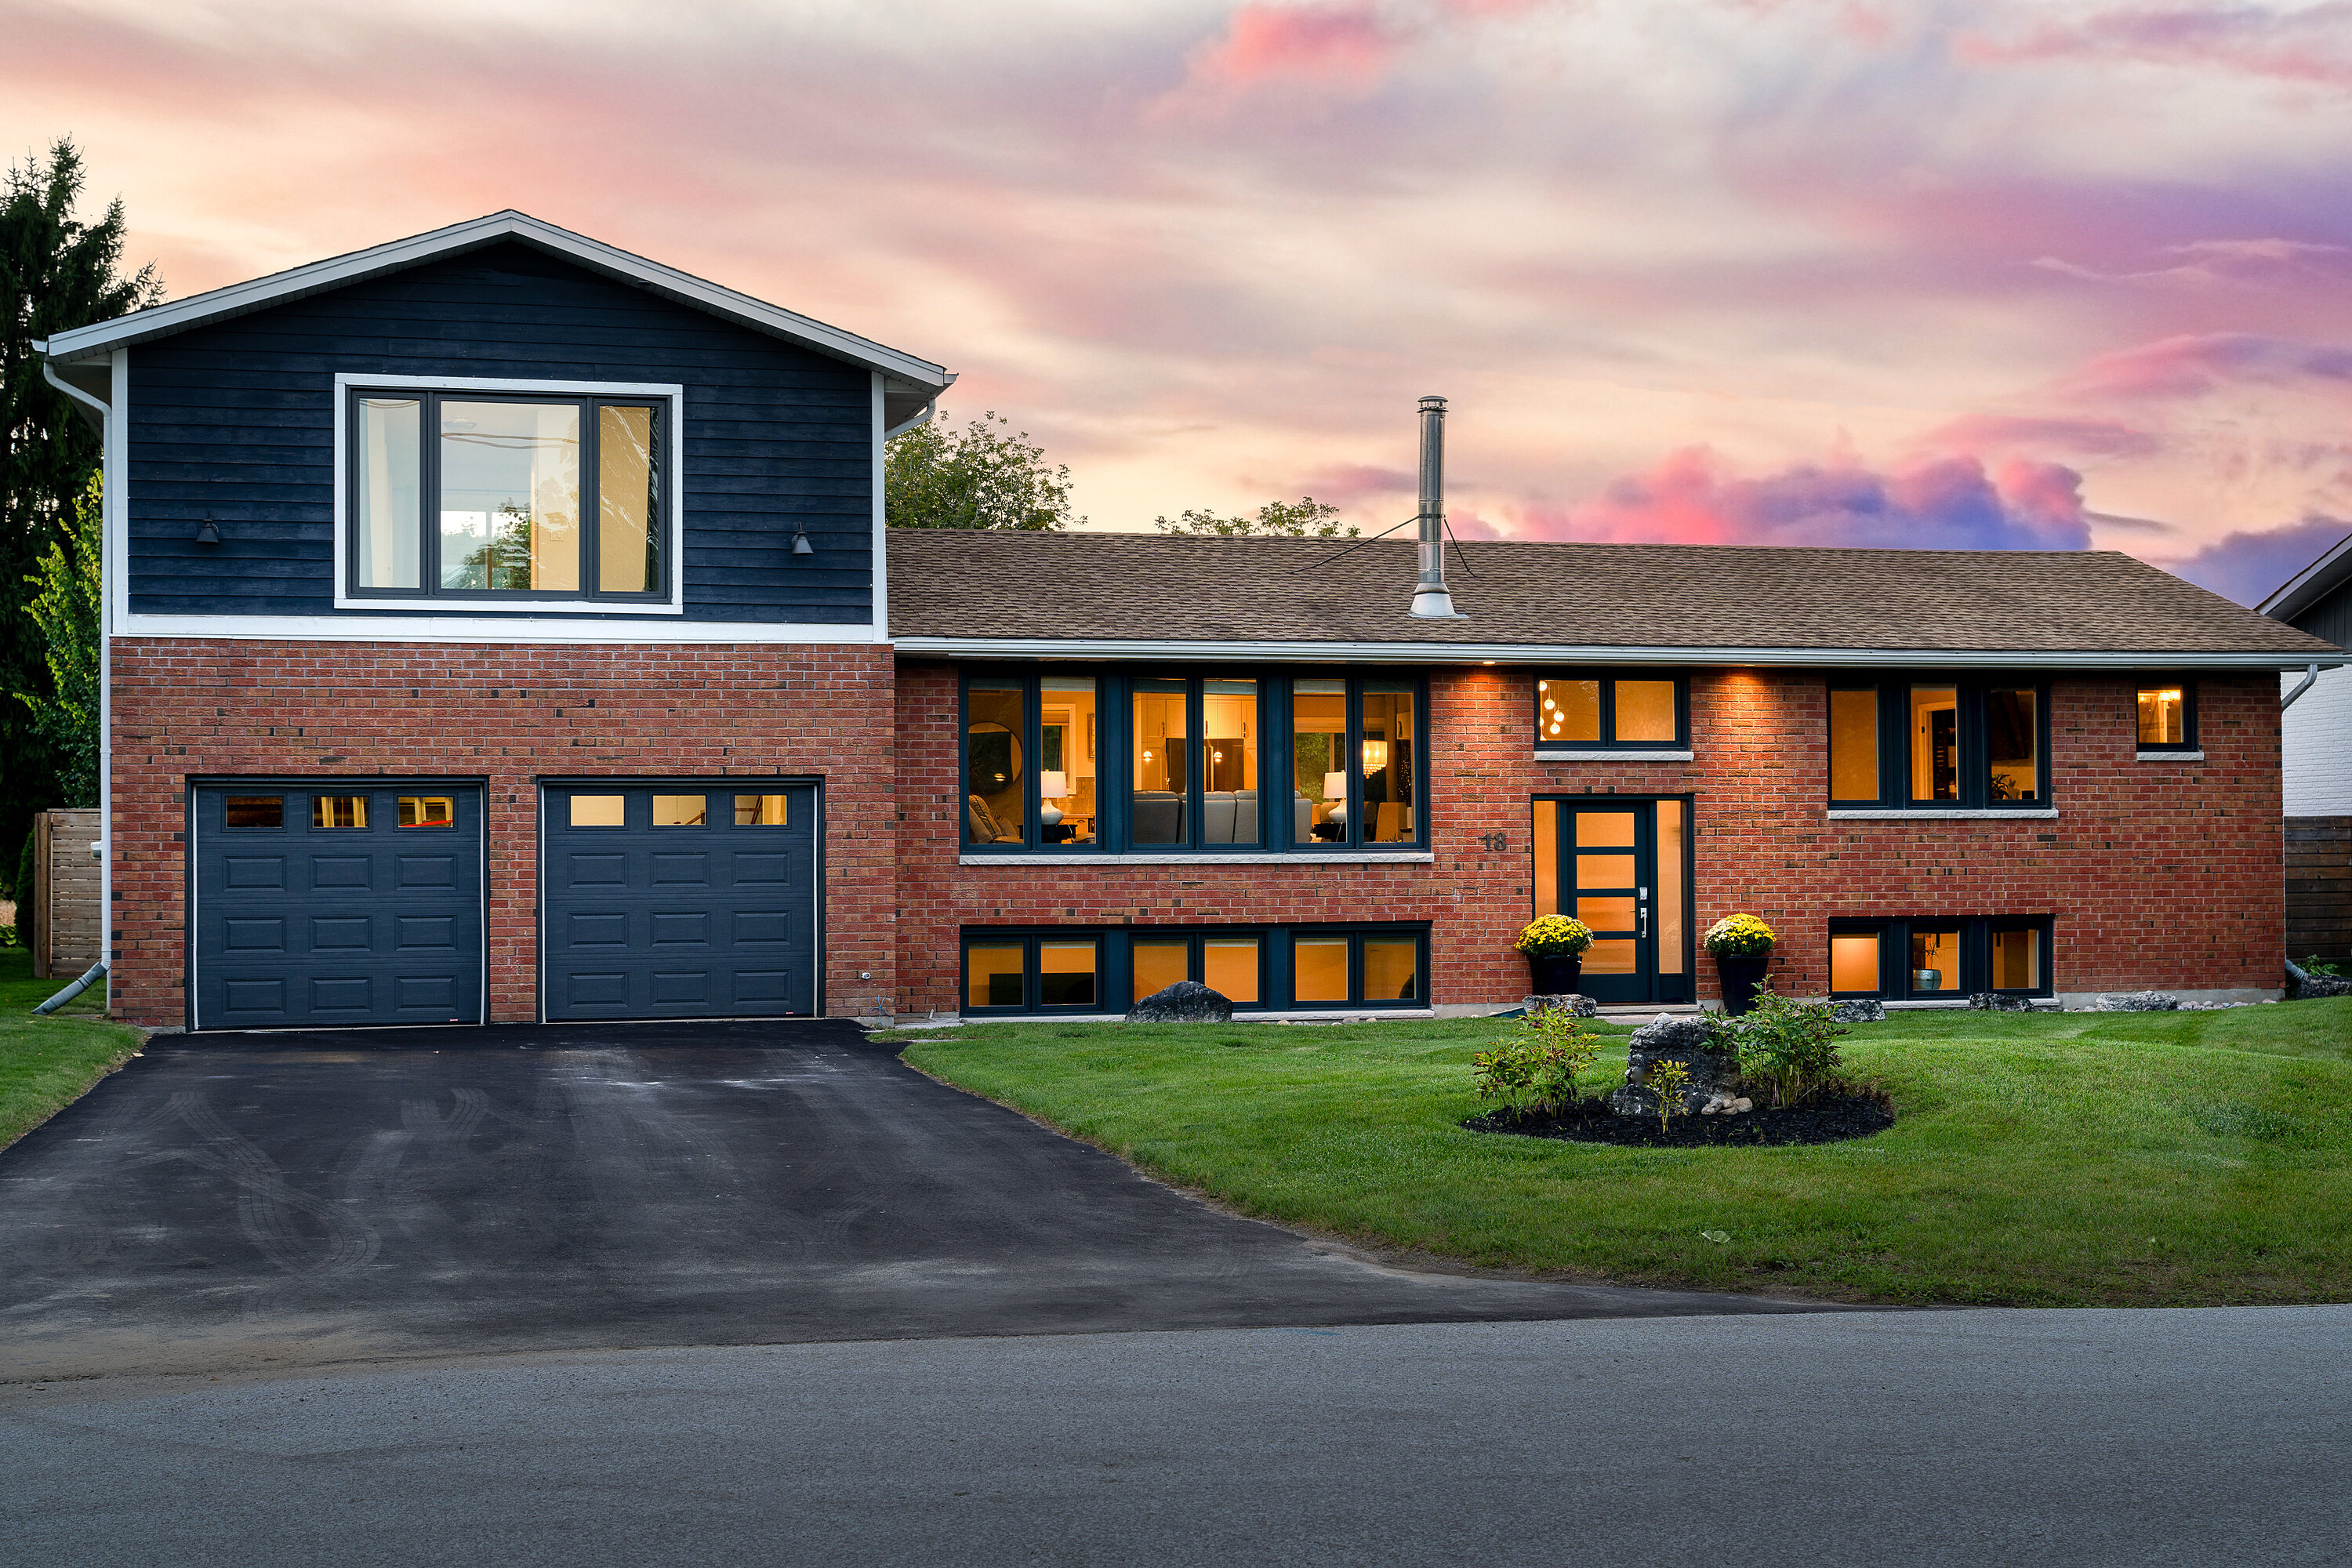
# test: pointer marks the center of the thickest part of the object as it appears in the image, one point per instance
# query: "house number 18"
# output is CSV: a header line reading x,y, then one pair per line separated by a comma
x,y
1497,842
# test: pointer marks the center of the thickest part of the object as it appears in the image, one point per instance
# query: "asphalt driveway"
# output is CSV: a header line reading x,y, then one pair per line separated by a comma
x,y
249,1201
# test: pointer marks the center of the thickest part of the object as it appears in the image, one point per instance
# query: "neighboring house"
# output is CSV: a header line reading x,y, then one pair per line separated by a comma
x,y
498,628
2316,756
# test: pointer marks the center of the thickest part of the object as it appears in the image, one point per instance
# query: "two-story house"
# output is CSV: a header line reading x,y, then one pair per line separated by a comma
x,y
503,626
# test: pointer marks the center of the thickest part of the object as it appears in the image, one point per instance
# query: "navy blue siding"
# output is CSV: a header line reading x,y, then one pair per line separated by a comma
x,y
237,421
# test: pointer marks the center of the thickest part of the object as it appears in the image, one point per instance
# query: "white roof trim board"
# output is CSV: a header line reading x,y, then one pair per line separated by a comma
x,y
100,338
2311,584
1571,653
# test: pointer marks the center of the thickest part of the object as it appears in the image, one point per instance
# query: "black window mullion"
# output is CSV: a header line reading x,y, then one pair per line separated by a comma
x,y
1349,761
428,492
1032,832
592,474
1608,706
1196,756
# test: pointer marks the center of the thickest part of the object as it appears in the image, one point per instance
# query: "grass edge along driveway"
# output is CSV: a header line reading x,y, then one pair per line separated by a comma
x,y
46,1064
2037,1160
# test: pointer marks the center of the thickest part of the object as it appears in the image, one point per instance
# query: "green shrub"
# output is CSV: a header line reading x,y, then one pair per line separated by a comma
x,y
1666,1079
1789,1046
1535,1067
2318,965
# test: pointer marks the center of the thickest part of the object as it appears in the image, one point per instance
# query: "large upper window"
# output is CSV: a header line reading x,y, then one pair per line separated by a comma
x,y
1938,743
1612,712
490,495
1160,761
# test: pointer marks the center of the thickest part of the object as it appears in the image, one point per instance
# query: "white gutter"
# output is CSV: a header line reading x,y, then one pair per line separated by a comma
x,y
930,407
1571,653
2309,676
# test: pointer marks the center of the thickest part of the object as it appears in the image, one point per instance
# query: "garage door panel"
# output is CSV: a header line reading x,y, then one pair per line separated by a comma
x,y
657,911
296,925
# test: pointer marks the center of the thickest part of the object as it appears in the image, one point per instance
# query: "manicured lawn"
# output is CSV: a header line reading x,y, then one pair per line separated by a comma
x,y
2148,1159
46,1064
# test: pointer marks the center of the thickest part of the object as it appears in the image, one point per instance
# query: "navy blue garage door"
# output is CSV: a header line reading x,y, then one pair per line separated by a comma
x,y
337,903
690,899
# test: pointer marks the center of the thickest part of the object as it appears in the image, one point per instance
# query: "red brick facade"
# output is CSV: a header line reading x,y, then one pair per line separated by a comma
x,y
2157,874
511,715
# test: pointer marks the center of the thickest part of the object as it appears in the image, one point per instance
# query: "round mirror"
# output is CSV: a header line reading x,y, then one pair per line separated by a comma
x,y
995,758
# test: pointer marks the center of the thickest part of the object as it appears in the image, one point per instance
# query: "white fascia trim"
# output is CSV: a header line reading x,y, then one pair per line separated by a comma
x,y
238,298
880,587
1207,652
2300,591
675,525
1112,862
1955,816
422,630
2168,756
1543,756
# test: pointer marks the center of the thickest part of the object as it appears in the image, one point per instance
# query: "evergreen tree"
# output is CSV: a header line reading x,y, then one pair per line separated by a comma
x,y
55,274
64,608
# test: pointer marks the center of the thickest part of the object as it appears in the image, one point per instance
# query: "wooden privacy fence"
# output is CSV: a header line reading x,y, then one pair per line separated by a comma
x,y
2319,887
66,886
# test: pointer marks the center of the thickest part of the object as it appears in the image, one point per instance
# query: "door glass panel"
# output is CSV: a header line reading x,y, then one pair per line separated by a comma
x,y
681,811
2010,734
1547,856
596,810
1319,969
1854,744
1935,961
1854,963
511,497
1387,764
2017,960
628,501
1570,712
1672,941
1066,769
339,811
995,975
1065,973
1229,967
256,811
1229,801
1604,829
1160,964
1391,971
1604,871
1606,914
427,811
994,791
387,467
1162,780
1318,757
1645,710
1616,957
1934,742
760,810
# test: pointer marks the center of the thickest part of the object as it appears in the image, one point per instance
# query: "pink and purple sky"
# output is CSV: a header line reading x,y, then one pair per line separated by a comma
x,y
1778,271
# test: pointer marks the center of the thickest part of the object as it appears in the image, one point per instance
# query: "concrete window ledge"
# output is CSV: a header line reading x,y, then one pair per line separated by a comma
x,y
2048,816
2168,756
1545,756
1262,858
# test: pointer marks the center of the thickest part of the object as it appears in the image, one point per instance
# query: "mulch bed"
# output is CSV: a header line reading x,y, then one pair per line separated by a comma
x,y
1829,1119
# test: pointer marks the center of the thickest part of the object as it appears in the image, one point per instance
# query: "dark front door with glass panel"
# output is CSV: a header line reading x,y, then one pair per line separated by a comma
x,y
1619,866
680,899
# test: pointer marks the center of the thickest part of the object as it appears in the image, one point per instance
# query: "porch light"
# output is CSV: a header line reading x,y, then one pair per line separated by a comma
x,y
801,545
208,532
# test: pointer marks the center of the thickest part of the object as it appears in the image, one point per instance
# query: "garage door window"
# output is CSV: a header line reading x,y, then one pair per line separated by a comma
x,y
339,811
427,811
256,811
681,811
600,810
760,810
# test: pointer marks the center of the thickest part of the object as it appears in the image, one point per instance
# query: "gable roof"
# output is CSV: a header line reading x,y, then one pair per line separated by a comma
x,y
2313,583
909,384
1104,594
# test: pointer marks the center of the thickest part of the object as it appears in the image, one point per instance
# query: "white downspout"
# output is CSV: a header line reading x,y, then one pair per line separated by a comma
x,y
108,471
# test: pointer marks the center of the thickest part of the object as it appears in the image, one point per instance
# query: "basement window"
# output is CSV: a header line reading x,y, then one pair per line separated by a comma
x,y
1050,970
1940,959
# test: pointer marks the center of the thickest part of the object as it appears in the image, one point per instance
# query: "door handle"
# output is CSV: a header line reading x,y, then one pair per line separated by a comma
x,y
1645,931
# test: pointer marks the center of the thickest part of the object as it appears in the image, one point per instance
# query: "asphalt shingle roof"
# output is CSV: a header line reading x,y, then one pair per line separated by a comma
x,y
1174,588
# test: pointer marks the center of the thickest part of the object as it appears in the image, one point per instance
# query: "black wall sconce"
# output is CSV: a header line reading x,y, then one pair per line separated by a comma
x,y
208,532
801,545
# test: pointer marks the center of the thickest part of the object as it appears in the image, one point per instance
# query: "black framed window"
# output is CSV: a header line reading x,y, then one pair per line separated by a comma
x,y
500,496
1927,742
1048,970
1148,761
1940,959
2165,709
1613,710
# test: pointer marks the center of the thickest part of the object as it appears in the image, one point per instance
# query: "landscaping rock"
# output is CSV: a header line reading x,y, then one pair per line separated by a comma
x,y
1570,1003
1998,1002
2307,985
1186,1001
1713,1086
1864,1010
2136,1002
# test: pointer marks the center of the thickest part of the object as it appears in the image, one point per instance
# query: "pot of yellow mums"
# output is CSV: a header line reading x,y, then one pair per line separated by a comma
x,y
1742,946
1552,944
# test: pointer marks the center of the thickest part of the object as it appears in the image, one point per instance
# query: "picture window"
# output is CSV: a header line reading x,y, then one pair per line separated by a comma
x,y
1947,744
1604,712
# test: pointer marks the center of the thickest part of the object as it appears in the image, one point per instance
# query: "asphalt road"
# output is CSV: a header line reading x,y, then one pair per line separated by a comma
x,y
232,1201
2147,1439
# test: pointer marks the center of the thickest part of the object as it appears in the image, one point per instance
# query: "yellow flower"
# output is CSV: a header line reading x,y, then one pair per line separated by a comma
x,y
1554,936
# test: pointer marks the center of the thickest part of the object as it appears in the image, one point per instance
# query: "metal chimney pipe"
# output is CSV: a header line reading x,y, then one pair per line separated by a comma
x,y
1431,601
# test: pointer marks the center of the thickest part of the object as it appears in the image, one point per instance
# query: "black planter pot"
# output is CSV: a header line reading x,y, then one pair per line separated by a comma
x,y
1555,975
1741,974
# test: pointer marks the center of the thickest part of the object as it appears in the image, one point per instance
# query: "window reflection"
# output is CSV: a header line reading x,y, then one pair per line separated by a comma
x,y
387,466
427,811
2011,736
509,505
256,811
339,811
628,508
993,723
1387,764
1934,742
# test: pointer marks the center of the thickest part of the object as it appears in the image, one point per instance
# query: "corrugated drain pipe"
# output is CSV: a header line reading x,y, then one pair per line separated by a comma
x,y
96,974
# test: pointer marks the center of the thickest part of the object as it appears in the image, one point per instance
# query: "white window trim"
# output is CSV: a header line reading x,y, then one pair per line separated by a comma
x,y
2169,757
675,483
1987,814
1664,756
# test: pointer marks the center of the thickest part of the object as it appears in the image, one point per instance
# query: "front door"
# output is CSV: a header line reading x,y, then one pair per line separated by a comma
x,y
1619,866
